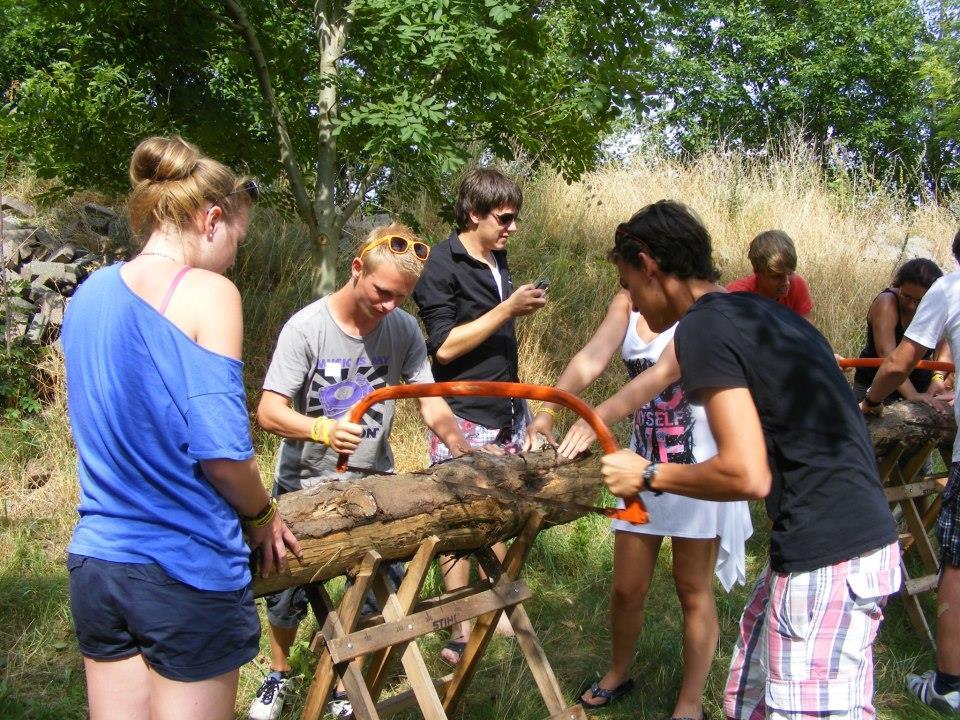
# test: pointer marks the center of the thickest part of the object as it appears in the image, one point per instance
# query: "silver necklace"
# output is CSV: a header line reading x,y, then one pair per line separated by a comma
x,y
161,254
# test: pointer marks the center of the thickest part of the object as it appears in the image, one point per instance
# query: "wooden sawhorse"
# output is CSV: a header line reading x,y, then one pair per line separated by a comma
x,y
918,497
405,617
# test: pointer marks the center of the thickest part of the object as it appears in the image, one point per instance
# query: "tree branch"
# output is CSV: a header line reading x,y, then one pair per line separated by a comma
x,y
350,207
255,51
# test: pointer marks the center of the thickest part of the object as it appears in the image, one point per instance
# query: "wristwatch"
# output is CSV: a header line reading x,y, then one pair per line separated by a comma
x,y
648,473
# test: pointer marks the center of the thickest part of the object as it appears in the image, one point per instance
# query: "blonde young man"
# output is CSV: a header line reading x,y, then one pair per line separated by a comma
x,y
329,355
774,261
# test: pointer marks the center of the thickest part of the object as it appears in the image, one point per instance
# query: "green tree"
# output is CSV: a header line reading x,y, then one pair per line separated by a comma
x,y
352,97
941,70
839,71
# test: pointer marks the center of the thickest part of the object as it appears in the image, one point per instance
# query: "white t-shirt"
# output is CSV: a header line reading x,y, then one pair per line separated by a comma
x,y
938,317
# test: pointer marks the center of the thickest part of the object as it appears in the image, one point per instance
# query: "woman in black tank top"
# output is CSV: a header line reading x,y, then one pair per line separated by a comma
x,y
887,320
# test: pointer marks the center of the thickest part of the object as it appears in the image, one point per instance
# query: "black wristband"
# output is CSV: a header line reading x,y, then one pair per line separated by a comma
x,y
870,403
648,473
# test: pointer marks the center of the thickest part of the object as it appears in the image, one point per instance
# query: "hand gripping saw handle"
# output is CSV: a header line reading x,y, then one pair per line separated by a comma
x,y
634,512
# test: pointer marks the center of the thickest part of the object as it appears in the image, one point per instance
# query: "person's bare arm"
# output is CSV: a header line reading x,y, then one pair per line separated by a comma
x,y
895,367
738,471
587,365
884,315
525,300
276,415
631,397
438,416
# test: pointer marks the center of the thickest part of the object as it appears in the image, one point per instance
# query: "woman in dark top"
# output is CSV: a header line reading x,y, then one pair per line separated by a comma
x,y
889,316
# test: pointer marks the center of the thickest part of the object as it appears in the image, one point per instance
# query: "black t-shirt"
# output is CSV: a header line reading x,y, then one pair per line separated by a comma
x,y
455,289
826,502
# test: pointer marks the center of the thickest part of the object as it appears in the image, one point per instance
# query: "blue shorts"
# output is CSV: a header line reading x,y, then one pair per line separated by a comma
x,y
126,609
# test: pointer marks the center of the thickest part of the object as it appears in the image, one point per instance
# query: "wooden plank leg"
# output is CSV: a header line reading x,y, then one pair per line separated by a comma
x,y
921,541
915,612
332,621
407,596
485,625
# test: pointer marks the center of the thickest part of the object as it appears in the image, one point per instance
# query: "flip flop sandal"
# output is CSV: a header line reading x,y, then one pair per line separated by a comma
x,y
609,696
455,646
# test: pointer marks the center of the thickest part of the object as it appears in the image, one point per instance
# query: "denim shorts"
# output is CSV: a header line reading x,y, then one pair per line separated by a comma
x,y
126,609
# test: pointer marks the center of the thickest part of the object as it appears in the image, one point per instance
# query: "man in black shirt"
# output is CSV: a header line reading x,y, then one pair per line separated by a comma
x,y
787,430
467,303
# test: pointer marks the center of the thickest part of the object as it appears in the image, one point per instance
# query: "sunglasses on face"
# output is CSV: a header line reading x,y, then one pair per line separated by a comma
x,y
249,187
504,219
398,246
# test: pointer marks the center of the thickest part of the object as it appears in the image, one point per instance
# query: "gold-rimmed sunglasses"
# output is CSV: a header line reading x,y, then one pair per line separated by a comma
x,y
398,246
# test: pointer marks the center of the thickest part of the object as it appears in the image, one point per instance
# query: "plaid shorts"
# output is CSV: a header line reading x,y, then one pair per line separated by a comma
x,y
948,523
509,438
805,648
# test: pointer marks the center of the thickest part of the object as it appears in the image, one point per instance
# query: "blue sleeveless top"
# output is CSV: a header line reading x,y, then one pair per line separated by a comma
x,y
146,404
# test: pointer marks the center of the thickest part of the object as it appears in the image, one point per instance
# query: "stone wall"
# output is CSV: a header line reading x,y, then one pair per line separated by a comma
x,y
43,266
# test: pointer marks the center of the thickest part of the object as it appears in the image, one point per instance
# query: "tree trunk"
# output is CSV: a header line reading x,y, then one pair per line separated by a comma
x,y
336,523
912,423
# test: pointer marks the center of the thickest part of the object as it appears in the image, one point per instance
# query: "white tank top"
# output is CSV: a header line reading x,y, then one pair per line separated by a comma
x,y
669,429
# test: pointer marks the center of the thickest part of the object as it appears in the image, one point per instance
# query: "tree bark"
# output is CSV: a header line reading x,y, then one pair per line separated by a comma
x,y
480,499
912,423
336,523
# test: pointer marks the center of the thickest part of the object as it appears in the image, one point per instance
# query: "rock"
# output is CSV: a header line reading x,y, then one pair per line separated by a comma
x,y
63,254
35,474
98,217
10,222
52,305
18,206
121,237
37,329
52,274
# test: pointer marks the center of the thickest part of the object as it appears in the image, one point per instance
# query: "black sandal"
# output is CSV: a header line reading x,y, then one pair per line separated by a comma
x,y
609,696
456,646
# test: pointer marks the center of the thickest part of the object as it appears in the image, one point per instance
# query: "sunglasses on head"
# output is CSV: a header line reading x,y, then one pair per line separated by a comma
x,y
398,246
623,234
504,219
249,187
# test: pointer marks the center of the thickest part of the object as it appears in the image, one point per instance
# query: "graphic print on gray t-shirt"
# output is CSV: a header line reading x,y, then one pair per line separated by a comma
x,y
325,372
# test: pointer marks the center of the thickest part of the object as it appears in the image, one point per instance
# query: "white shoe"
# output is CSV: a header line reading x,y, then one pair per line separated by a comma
x,y
340,707
268,701
923,687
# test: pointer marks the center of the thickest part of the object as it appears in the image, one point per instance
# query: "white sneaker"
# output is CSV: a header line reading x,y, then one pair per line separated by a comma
x,y
339,706
268,701
922,687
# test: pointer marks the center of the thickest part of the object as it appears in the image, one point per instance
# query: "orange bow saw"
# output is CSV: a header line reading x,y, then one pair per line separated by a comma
x,y
634,512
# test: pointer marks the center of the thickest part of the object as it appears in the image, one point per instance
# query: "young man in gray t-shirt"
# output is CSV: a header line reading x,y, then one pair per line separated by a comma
x,y
330,355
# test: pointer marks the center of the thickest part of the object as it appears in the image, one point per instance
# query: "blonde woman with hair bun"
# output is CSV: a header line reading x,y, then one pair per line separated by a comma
x,y
160,580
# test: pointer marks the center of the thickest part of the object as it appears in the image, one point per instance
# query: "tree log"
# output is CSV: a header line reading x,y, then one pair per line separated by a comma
x,y
469,502
481,499
914,424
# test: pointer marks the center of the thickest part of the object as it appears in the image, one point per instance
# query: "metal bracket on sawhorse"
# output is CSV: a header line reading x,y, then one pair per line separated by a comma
x,y
360,657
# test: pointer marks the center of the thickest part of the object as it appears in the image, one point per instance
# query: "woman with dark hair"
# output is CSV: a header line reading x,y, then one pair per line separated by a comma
x,y
889,316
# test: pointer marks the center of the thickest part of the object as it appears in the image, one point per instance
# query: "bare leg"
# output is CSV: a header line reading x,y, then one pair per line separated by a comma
x,y
281,640
212,699
948,622
456,574
118,689
634,560
693,565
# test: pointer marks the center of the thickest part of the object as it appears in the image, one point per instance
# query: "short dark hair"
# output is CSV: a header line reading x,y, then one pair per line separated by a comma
x,y
918,271
673,235
484,189
956,246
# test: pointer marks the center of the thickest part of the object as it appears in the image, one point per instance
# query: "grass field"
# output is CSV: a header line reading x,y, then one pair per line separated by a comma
x,y
850,236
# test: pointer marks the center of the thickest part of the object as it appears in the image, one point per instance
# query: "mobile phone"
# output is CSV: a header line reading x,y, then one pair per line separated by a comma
x,y
542,284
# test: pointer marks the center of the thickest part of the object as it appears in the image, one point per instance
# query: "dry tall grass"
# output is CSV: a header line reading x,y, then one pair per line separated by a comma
x,y
850,237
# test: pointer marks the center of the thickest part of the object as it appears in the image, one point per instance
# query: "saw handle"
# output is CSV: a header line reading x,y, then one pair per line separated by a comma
x,y
936,365
634,512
